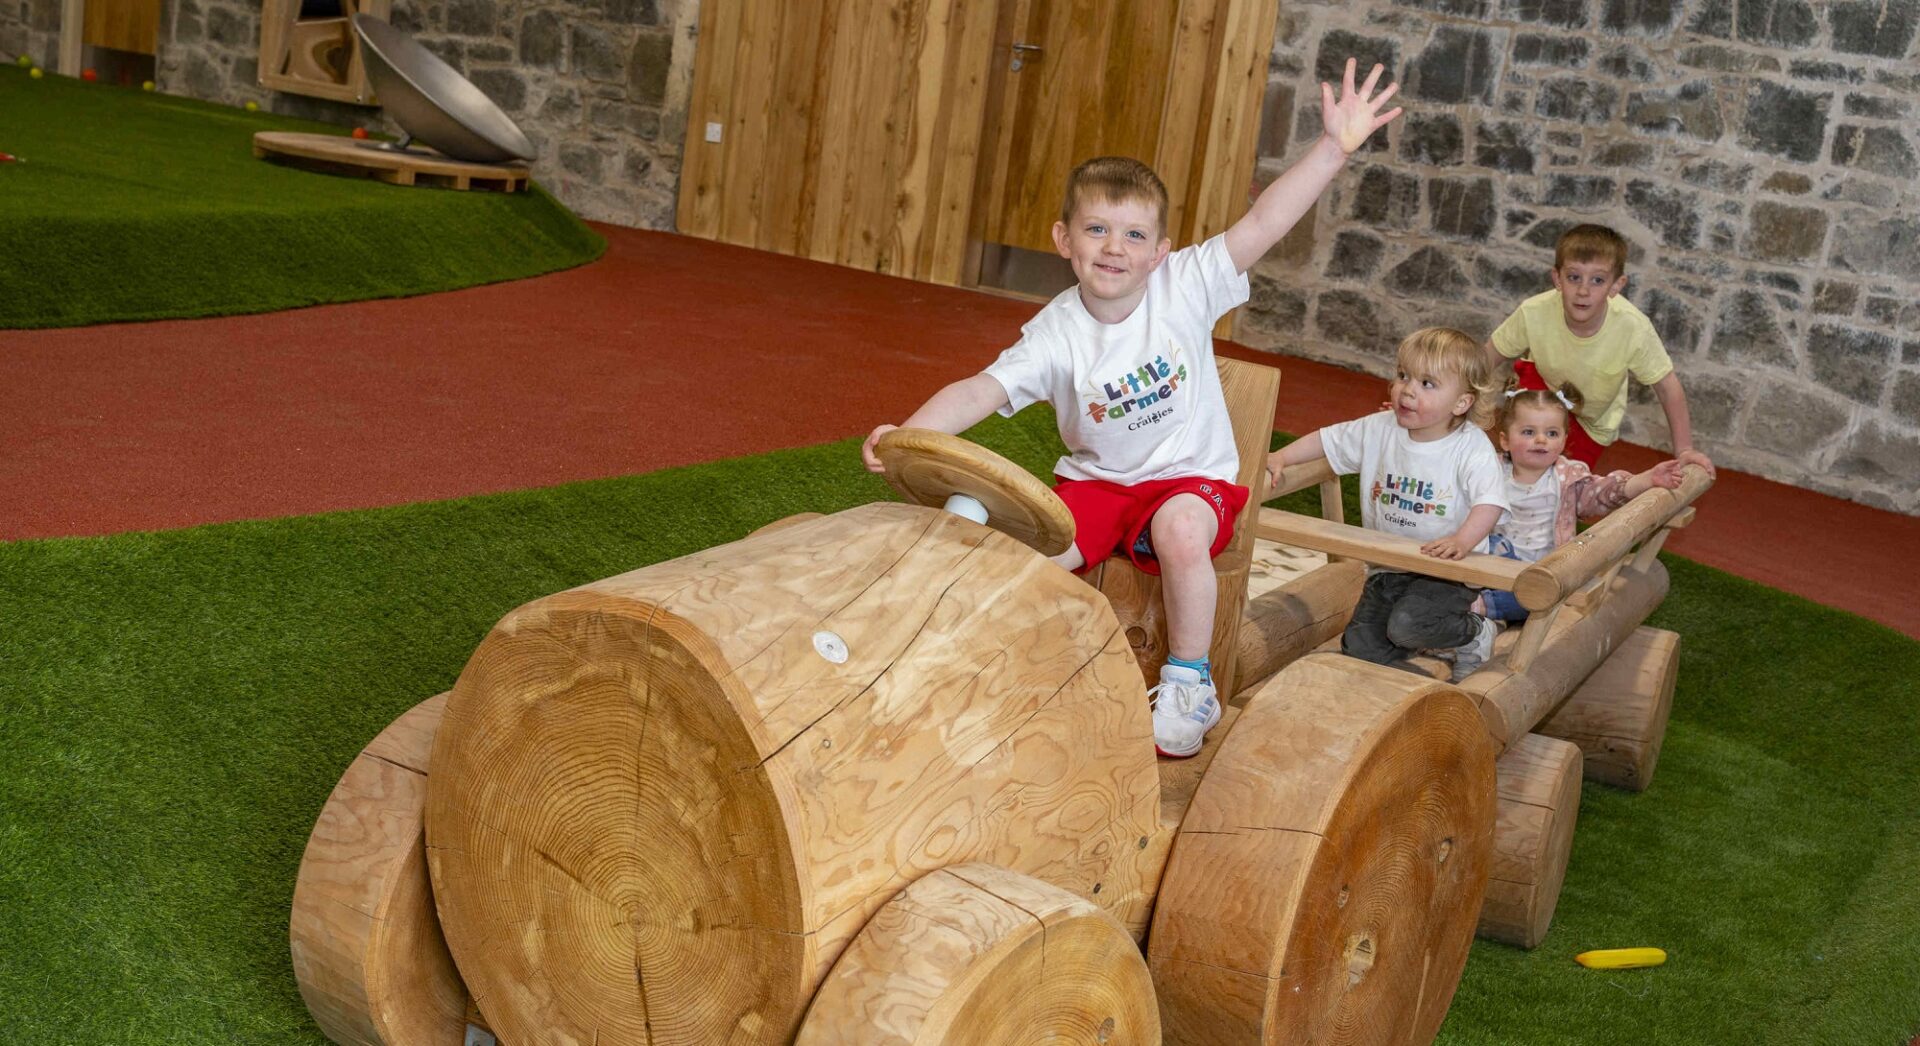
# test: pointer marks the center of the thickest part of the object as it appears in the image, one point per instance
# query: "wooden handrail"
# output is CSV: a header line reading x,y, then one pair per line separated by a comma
x,y
1300,477
1567,568
1385,550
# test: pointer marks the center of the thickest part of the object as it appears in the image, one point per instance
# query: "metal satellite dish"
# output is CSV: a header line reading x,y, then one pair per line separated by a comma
x,y
434,103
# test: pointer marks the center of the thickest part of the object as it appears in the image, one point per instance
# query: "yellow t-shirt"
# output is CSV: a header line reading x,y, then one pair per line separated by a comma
x,y
1626,344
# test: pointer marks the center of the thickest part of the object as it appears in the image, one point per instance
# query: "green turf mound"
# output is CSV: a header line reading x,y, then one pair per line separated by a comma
x,y
175,707
128,205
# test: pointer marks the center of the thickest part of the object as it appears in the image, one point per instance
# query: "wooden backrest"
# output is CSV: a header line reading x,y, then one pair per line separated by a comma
x,y
1251,391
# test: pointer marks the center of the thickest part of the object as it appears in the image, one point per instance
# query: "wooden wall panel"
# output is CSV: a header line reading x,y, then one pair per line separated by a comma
x,y
851,129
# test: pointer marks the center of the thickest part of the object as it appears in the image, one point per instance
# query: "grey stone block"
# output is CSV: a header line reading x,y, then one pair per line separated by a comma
x,y
1906,399
1567,14
1672,214
1889,247
648,65
636,166
1777,23
1878,150
1461,208
1784,121
1512,281
1626,62
1874,108
1355,257
1728,60
1781,233
1623,154
1580,192
1882,28
1547,232
1432,138
1791,183
1427,273
1338,45
598,54
506,87
473,17
1276,119
1386,198
1457,8
1274,307
1457,65
1878,454
1713,405
1792,421
1850,361
1674,318
230,27
1834,298
1354,319
1692,109
630,12
1825,72
543,40
1882,310
1566,52
1718,176
584,162
1578,99
1746,332
1640,17
1505,147
561,108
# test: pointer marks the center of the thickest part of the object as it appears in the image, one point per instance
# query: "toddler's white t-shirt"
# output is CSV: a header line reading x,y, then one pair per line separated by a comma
x,y
1138,400
1532,510
1417,490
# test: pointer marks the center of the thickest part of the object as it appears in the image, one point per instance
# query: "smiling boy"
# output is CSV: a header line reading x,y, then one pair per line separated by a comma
x,y
1582,333
1126,360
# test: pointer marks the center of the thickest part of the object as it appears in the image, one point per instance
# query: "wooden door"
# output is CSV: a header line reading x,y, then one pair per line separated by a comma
x,y
1176,83
124,25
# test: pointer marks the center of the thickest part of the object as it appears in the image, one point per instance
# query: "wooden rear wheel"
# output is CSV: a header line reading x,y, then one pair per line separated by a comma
x,y
975,953
1325,881
928,467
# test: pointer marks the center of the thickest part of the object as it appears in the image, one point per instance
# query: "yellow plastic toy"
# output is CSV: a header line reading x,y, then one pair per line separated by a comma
x,y
1621,958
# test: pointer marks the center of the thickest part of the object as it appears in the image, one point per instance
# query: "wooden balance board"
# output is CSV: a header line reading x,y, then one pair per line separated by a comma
x,y
336,154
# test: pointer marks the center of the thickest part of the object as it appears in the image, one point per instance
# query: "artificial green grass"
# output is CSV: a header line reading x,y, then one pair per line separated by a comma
x,y
175,707
130,205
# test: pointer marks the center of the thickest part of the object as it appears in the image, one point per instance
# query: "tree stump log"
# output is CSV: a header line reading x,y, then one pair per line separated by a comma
x,y
1539,783
662,804
1325,881
1286,623
1618,716
367,950
974,953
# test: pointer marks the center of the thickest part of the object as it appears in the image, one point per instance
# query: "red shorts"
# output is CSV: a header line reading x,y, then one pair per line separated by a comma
x,y
1580,446
1109,518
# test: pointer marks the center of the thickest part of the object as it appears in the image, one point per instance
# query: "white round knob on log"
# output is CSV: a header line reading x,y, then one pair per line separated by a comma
x,y
975,953
931,468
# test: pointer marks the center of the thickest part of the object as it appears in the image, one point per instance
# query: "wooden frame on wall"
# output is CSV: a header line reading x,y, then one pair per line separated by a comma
x,y
316,57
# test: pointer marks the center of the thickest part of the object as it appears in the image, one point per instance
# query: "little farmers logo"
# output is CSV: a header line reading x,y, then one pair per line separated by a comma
x,y
1409,494
1145,387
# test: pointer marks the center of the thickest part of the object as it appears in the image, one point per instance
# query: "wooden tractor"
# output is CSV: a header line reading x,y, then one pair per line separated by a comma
x,y
888,776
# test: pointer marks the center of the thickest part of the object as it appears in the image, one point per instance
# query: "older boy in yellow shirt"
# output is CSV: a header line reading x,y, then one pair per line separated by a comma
x,y
1582,333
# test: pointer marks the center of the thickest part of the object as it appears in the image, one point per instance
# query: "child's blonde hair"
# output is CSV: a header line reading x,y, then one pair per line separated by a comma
x,y
1443,350
1117,179
1566,399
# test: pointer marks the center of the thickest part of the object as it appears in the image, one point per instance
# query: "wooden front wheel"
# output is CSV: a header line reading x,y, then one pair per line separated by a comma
x,y
928,467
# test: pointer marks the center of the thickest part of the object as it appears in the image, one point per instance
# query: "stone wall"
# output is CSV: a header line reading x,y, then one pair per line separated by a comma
x,y
1758,154
600,86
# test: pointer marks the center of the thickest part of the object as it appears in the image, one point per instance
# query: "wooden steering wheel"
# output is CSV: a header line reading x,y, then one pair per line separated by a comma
x,y
935,469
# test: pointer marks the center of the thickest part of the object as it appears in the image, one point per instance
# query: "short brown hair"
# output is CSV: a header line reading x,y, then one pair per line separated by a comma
x,y
1566,399
1443,350
1592,243
1117,179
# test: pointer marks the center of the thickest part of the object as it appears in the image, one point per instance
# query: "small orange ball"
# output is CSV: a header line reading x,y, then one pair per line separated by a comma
x,y
359,132
89,75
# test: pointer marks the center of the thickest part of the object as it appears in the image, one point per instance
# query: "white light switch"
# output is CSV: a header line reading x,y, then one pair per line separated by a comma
x,y
713,131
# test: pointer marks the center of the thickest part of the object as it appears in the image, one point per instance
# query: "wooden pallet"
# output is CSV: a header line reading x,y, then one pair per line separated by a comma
x,y
336,154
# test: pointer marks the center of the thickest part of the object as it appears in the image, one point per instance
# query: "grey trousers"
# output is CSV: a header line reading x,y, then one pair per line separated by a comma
x,y
1401,614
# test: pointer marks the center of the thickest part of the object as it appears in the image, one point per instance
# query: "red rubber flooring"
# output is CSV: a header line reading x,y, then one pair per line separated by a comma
x,y
668,351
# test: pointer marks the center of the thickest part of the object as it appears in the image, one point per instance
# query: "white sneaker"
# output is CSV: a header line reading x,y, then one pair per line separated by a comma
x,y
1468,659
1184,709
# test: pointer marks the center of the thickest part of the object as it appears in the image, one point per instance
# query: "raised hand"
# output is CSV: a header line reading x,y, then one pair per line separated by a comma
x,y
1356,115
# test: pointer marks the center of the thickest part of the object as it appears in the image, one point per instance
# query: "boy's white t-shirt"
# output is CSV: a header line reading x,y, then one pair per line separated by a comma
x,y
1138,400
1417,490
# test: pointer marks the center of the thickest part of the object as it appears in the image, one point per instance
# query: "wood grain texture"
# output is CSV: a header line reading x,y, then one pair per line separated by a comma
x,y
124,25
974,953
1539,786
926,467
659,813
1286,623
1592,551
338,154
1387,550
1517,702
1325,881
1618,716
368,954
